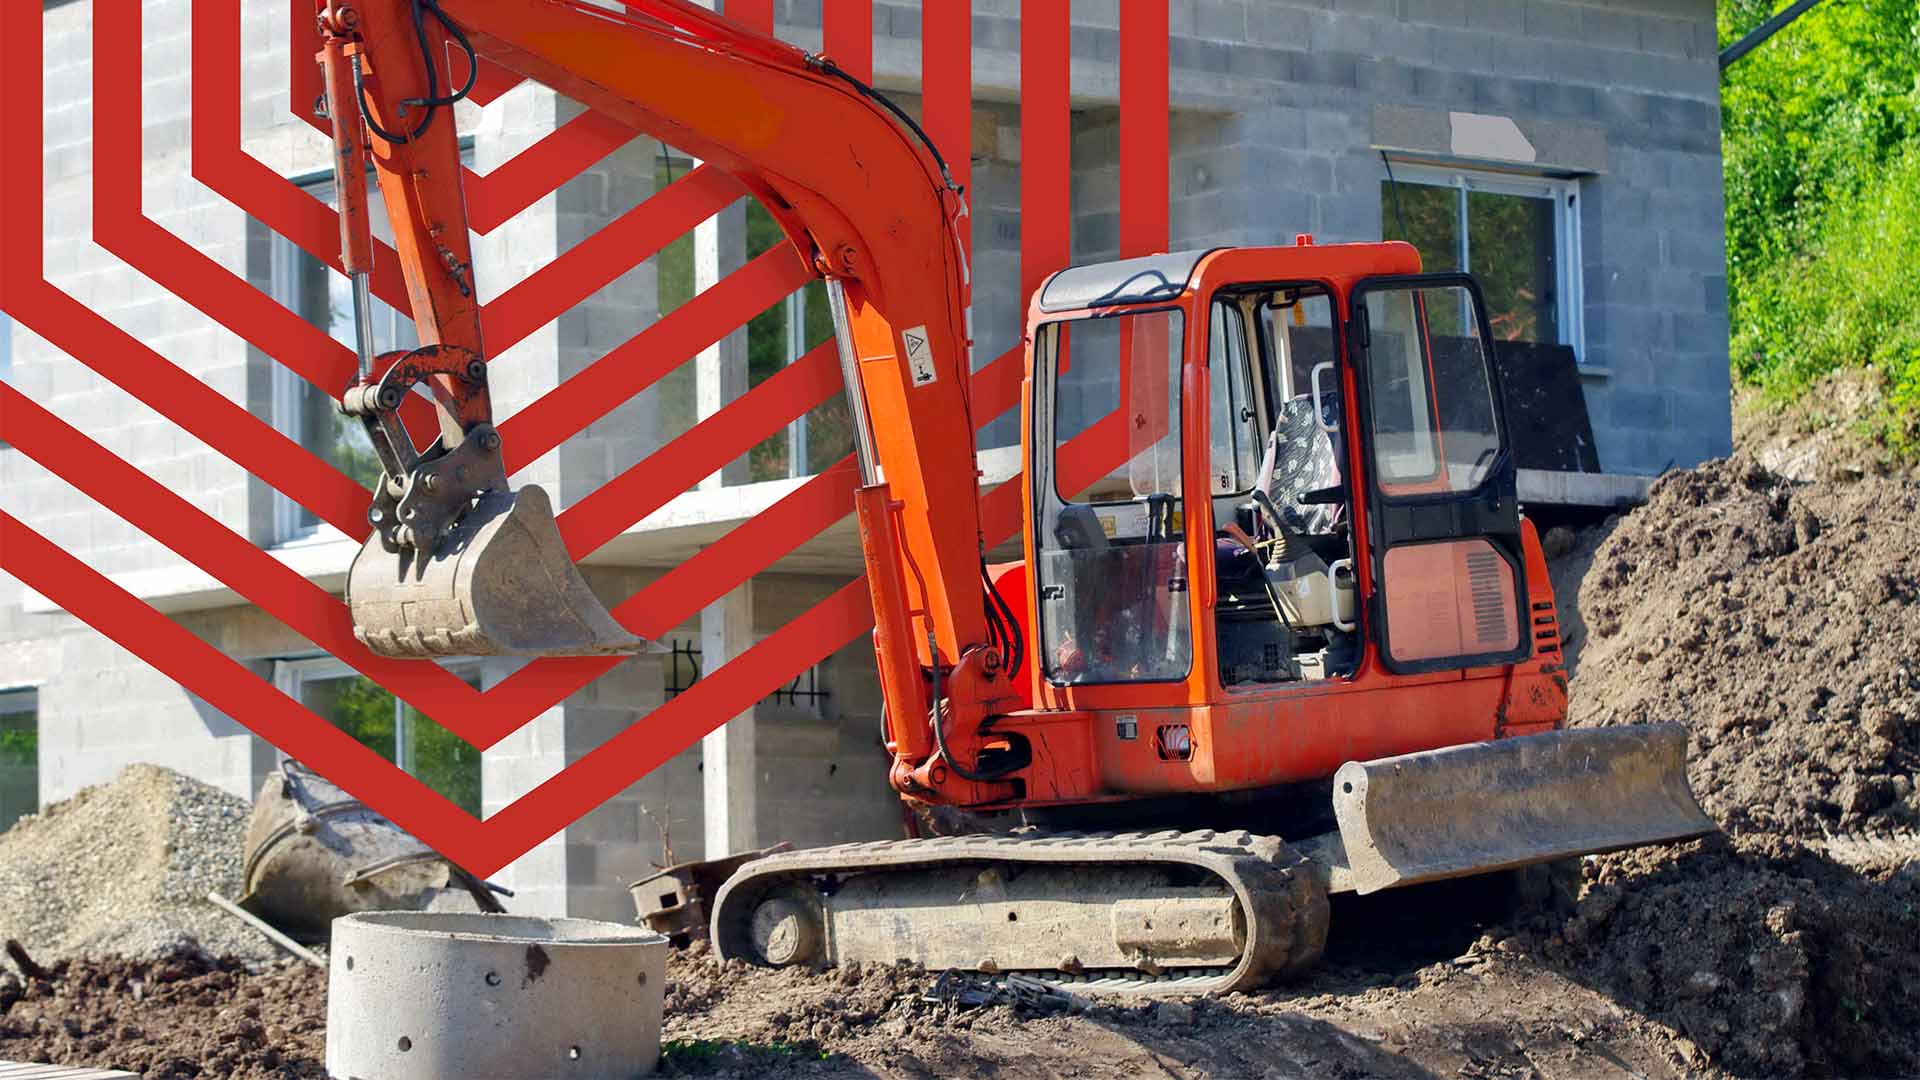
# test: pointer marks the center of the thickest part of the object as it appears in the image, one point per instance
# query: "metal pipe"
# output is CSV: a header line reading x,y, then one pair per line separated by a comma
x,y
363,321
856,394
1761,33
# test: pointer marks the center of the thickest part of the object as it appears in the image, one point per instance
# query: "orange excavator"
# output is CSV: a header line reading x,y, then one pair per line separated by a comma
x,y
1279,631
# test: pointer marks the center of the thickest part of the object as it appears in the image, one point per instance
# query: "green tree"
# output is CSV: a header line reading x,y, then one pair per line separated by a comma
x,y
1821,136
1810,117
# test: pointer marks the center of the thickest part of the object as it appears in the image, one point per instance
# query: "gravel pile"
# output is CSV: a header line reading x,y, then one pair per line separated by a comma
x,y
124,869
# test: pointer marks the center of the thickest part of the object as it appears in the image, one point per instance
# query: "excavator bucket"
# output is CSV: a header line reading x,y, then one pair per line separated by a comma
x,y
1489,806
499,583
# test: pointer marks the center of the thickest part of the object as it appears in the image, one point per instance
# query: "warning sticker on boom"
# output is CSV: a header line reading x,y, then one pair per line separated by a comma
x,y
919,355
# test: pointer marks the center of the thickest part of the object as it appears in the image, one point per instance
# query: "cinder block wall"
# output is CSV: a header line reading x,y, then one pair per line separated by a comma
x,y
1282,107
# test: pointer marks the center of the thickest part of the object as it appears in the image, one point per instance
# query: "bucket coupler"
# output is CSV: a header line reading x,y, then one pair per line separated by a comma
x,y
1512,802
459,564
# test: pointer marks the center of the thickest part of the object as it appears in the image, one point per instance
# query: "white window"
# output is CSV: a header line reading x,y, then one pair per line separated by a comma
x,y
302,411
1520,235
6,376
775,338
19,755
386,725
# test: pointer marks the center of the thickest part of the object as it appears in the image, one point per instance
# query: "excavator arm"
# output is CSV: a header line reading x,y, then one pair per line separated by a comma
x,y
460,564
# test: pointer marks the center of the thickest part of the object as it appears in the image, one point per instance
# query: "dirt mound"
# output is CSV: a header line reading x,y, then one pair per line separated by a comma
x,y
1779,622
171,1018
125,868
1823,434
1770,958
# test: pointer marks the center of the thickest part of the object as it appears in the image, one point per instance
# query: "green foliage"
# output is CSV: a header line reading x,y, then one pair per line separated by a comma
x,y
19,746
442,760
829,431
1811,117
1849,300
705,1055
1821,134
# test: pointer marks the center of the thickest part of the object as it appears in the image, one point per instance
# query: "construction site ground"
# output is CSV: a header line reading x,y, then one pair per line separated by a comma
x,y
1771,602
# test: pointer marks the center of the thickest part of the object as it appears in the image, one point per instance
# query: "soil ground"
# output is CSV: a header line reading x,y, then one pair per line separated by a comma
x,y
1770,602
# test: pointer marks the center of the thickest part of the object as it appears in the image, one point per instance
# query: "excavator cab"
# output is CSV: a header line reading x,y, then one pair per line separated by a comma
x,y
1276,538
1293,435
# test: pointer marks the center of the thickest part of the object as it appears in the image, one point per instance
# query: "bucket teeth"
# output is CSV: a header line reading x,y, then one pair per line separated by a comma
x,y
500,583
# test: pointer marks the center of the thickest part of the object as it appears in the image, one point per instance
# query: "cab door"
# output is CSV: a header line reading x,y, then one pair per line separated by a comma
x,y
1442,510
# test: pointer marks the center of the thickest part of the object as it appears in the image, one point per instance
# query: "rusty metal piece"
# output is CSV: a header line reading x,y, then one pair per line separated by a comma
x,y
314,853
674,901
1513,802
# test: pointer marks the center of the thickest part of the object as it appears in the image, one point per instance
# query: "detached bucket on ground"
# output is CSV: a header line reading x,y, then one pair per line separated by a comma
x,y
425,996
499,583
1513,802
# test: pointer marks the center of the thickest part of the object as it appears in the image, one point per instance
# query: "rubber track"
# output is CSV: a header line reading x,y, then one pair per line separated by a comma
x,y
1277,888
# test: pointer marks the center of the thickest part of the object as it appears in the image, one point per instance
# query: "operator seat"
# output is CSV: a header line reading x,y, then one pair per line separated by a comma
x,y
1308,461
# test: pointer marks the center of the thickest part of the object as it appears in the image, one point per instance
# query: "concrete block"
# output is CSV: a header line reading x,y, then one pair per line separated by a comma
x,y
1436,12
1464,50
1216,20
1699,332
1094,43
1504,16
1328,69
1648,410
1694,248
1194,54
901,21
1386,80
1669,37
1270,65
1443,90
1551,19
1276,24
1610,27
1503,96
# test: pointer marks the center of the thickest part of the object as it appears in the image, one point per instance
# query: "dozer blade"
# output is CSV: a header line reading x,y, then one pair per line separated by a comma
x,y
500,583
1489,806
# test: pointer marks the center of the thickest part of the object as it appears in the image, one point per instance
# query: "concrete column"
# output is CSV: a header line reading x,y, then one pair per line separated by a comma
x,y
729,773
720,371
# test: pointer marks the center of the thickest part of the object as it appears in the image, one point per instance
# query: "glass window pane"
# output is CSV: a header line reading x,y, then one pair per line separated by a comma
x,y
1513,243
19,755
1233,431
365,710
1121,375
1114,602
1432,222
1434,428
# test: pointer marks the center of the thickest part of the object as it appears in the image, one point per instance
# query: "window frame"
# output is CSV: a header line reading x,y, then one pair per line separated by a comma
x,y
1177,337
291,674
1564,195
1243,394
288,265
24,700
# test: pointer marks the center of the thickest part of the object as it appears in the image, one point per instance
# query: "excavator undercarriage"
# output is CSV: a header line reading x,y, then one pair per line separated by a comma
x,y
1207,911
1169,912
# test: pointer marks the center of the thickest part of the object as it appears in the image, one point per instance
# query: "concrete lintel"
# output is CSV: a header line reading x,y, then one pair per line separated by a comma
x,y
1548,487
1554,146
